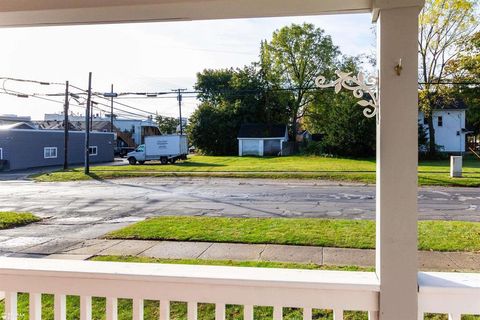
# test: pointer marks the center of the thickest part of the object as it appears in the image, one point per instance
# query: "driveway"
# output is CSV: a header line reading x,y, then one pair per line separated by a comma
x,y
75,211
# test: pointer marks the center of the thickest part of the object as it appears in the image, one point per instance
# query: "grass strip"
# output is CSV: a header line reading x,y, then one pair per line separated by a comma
x,y
434,173
231,263
360,234
16,219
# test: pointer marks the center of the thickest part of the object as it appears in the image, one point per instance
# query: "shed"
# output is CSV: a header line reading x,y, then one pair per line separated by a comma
x,y
261,139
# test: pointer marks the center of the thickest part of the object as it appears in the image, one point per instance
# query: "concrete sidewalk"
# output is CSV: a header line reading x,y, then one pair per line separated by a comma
x,y
427,260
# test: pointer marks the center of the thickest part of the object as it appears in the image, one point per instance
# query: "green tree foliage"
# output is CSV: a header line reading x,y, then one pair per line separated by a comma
x,y
465,70
445,25
167,125
422,140
292,59
230,98
346,131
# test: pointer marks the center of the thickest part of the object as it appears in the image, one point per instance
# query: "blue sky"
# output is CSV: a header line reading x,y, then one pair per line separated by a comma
x,y
148,57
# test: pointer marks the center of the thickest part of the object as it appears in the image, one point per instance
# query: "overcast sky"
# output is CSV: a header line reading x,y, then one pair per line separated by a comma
x,y
147,57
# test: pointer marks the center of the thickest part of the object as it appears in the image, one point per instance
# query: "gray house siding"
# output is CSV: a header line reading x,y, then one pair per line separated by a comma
x,y
25,148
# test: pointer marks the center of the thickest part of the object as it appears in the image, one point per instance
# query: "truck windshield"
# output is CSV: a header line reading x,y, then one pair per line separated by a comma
x,y
140,148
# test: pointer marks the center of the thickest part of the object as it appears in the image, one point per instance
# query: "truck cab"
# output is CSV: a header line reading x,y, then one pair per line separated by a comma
x,y
137,155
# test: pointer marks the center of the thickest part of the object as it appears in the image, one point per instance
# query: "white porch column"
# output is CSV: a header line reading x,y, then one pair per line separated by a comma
x,y
396,207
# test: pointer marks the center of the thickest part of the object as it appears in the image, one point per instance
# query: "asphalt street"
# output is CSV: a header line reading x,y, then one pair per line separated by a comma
x,y
86,210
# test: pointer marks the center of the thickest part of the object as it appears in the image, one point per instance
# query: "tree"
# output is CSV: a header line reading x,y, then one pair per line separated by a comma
x,y
465,70
167,125
212,130
230,98
346,131
444,26
292,59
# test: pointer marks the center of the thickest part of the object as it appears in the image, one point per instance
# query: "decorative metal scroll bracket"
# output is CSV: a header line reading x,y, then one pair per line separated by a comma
x,y
365,88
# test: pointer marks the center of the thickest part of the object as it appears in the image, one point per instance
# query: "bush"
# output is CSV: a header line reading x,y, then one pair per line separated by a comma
x,y
314,148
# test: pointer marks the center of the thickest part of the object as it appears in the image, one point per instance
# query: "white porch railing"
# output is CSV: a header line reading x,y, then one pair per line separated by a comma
x,y
455,294
249,287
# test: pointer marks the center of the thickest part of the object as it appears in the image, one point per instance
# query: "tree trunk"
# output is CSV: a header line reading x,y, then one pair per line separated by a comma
x,y
432,149
294,131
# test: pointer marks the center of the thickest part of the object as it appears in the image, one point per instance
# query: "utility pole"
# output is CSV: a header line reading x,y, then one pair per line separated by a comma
x,y
65,127
87,125
91,115
111,110
179,98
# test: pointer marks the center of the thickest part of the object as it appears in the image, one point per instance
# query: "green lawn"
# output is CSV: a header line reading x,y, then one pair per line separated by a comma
x,y
16,219
433,235
178,310
293,167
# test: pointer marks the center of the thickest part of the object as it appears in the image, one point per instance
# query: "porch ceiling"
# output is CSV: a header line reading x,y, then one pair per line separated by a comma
x,y
65,12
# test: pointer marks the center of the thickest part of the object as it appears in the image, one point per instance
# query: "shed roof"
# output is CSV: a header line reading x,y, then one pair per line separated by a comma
x,y
262,131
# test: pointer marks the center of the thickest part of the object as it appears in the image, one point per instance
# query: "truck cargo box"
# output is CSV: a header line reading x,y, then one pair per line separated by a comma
x,y
168,145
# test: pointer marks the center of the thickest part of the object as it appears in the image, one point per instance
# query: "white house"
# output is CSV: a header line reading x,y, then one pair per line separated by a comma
x,y
261,139
449,125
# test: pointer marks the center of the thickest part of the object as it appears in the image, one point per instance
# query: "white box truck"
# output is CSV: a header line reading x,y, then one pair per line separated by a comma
x,y
168,148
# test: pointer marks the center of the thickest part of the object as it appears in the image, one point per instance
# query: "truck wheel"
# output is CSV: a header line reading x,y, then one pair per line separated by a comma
x,y
132,161
173,160
141,162
163,160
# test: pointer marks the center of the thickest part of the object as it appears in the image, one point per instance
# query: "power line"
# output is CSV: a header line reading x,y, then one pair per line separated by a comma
x,y
19,94
99,95
452,83
47,83
124,105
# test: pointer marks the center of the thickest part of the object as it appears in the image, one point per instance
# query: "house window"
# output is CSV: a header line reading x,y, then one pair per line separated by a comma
x,y
440,121
425,120
49,152
93,150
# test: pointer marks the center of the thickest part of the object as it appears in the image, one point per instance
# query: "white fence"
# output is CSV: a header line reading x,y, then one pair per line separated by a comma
x,y
249,287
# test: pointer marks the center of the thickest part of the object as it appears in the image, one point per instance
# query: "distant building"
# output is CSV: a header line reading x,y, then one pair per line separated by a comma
x,y
262,139
138,129
13,118
449,125
23,147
